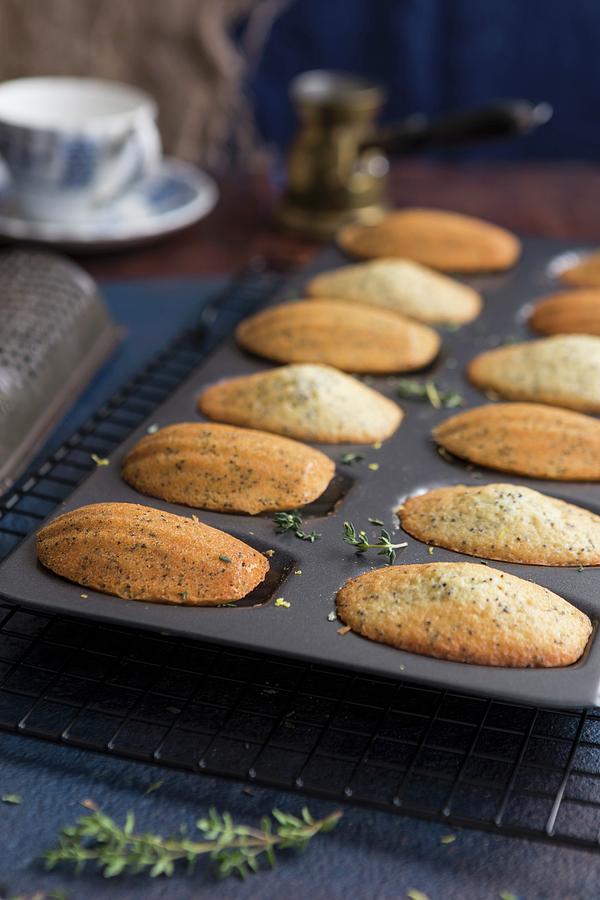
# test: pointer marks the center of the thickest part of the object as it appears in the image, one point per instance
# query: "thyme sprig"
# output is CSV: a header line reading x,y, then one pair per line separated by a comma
x,y
429,391
361,541
292,521
234,848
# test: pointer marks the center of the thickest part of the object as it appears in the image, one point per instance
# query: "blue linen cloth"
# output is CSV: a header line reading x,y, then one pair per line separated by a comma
x,y
440,55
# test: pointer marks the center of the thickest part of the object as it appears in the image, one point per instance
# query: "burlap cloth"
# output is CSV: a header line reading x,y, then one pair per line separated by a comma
x,y
178,50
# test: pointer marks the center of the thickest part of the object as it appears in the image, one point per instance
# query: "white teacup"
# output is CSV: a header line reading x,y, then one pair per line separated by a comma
x,y
71,145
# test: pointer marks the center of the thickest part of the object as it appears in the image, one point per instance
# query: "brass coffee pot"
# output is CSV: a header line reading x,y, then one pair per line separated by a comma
x,y
338,163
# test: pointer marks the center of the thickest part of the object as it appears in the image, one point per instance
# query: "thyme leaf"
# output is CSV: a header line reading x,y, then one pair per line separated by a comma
x,y
100,460
445,454
292,521
348,458
236,849
447,839
428,391
153,786
383,545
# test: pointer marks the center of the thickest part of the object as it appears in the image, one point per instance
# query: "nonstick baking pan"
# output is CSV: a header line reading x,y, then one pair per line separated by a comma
x,y
307,575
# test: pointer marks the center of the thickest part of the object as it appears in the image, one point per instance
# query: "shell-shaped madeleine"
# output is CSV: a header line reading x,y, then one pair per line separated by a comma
x,y
507,522
221,467
308,402
568,312
585,273
465,612
437,238
563,370
340,334
140,553
402,286
526,439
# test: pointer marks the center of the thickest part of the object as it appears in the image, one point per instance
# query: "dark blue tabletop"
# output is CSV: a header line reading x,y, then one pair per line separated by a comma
x,y
370,855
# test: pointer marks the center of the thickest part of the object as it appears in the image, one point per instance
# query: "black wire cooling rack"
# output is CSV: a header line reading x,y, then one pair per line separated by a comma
x,y
394,746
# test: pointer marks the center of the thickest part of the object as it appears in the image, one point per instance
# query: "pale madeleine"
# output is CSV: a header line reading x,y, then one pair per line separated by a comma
x,y
563,370
308,402
402,286
506,522
464,612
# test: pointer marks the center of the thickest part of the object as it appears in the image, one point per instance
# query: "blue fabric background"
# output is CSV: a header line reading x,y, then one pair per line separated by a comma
x,y
439,55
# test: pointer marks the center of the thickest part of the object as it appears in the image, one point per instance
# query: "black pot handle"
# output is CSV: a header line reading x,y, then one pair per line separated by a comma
x,y
507,118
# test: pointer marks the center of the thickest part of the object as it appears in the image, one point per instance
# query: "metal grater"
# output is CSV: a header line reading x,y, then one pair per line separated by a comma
x,y
55,332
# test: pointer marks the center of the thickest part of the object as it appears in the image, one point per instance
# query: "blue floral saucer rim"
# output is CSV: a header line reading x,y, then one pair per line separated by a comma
x,y
175,196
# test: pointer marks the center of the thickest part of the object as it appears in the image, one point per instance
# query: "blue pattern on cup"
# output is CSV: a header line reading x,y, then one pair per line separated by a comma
x,y
168,192
78,165
80,161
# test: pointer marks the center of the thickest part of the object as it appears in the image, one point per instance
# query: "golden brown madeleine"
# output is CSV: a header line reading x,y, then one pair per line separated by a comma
x,y
140,553
311,403
505,522
340,334
225,468
464,612
442,240
568,312
585,273
402,286
563,370
526,439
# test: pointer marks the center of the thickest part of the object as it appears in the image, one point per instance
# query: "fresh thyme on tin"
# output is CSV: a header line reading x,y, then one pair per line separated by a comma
x,y
100,460
428,391
383,545
292,521
235,849
446,455
348,458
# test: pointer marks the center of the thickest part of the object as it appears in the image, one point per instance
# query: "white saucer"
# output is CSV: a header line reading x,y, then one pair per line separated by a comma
x,y
177,195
